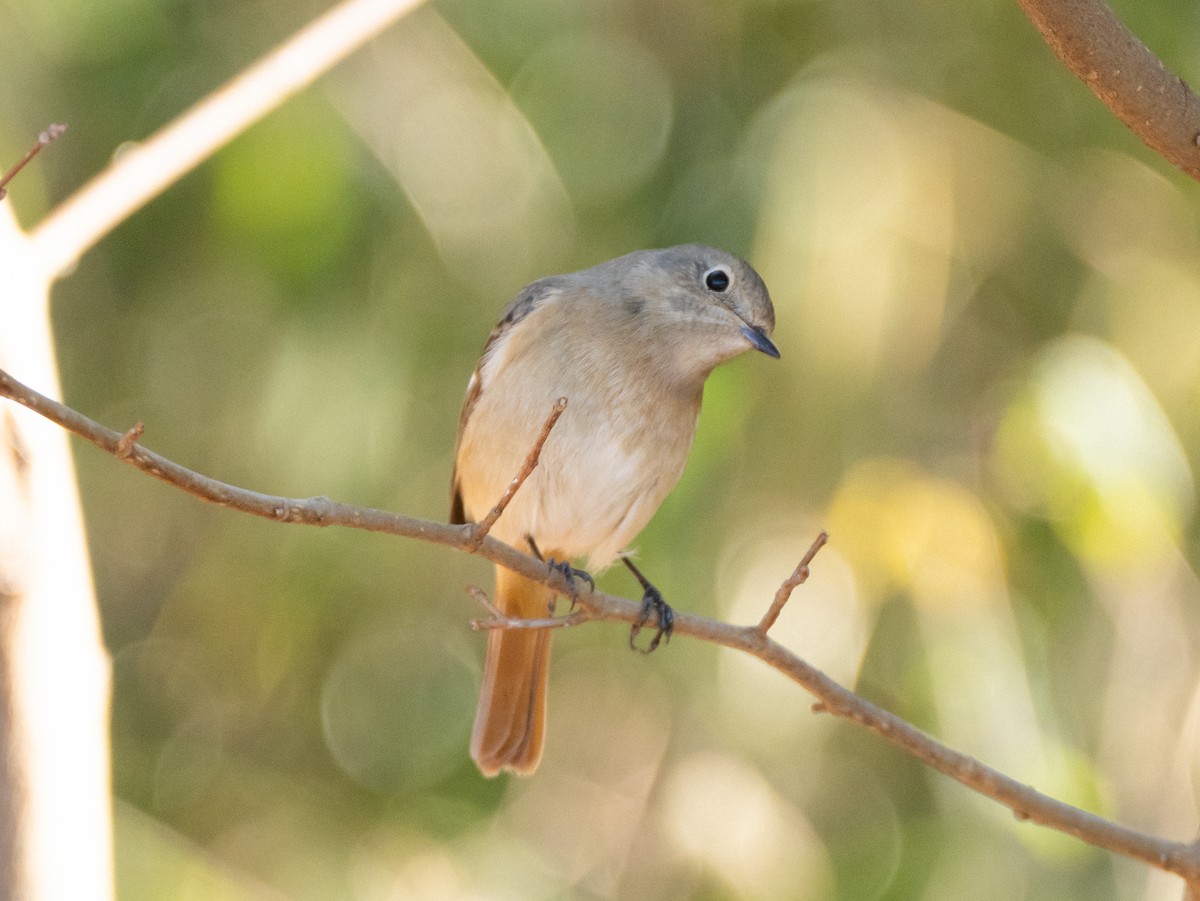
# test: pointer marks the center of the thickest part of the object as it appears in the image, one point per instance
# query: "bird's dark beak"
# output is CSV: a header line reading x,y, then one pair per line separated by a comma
x,y
759,341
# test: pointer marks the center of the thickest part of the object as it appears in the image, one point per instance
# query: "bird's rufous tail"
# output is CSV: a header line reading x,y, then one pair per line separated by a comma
x,y
510,723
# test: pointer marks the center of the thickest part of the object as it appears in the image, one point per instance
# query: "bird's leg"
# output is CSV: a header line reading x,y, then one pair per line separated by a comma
x,y
564,568
652,602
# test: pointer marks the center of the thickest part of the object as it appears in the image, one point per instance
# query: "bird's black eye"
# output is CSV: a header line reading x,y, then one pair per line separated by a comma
x,y
717,279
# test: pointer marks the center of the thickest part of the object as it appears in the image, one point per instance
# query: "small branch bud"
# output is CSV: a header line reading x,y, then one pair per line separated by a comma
x,y
129,440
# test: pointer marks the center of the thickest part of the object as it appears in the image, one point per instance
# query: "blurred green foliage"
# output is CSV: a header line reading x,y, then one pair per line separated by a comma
x,y
988,297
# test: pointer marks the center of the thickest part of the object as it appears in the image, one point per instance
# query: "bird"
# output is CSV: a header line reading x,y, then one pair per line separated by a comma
x,y
629,343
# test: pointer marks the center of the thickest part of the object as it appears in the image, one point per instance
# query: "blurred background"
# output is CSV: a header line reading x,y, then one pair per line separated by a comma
x,y
988,296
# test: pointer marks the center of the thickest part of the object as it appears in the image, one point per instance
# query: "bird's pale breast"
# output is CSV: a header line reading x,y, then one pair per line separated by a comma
x,y
616,452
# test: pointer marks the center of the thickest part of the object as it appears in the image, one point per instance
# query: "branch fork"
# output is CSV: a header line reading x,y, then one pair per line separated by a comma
x,y
498,619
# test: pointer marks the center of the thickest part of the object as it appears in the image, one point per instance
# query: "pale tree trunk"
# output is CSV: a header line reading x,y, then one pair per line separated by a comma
x,y
55,808
55,816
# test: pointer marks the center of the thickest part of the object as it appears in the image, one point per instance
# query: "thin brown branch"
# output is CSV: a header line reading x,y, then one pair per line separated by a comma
x,y
798,577
498,619
481,528
51,132
1129,79
1180,858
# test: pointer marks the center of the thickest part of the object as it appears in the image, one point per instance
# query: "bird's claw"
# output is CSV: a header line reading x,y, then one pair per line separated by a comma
x,y
564,569
571,573
653,603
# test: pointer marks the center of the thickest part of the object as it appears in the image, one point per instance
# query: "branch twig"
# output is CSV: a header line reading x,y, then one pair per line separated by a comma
x,y
1180,858
498,619
51,132
481,528
798,577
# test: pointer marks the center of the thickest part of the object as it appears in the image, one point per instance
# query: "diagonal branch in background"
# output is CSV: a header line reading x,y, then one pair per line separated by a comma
x,y
1136,85
1179,858
144,171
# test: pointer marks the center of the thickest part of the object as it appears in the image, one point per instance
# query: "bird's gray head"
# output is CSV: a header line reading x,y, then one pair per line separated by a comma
x,y
716,300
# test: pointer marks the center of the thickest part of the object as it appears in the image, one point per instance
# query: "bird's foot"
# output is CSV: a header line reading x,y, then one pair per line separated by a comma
x,y
652,603
664,620
571,573
566,570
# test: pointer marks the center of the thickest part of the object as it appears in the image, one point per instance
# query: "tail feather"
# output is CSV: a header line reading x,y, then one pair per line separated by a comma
x,y
510,723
